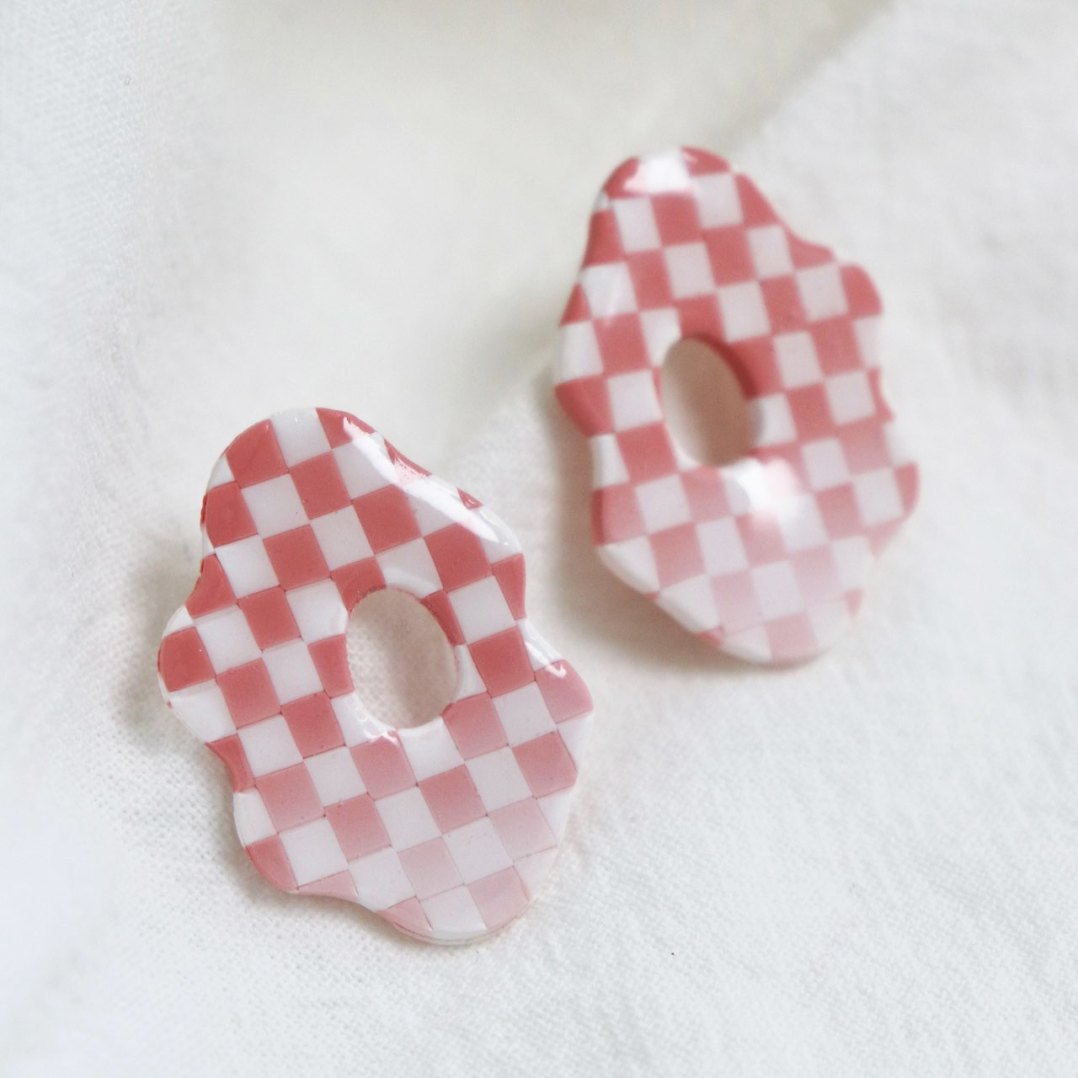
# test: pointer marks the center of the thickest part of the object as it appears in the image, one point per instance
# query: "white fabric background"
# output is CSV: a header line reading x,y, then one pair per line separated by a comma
x,y
212,210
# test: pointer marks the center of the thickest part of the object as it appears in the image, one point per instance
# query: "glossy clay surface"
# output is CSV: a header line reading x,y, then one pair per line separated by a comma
x,y
446,829
766,558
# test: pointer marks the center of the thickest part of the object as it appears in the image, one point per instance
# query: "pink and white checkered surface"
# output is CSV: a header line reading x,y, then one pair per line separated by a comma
x,y
767,558
446,829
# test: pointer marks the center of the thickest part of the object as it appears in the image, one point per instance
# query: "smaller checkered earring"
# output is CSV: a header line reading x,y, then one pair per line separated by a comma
x,y
766,558
446,829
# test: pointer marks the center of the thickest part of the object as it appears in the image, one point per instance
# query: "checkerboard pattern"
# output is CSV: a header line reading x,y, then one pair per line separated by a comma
x,y
445,830
766,558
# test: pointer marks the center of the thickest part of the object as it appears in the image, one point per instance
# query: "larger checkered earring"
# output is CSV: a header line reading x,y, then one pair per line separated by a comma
x,y
767,557
446,829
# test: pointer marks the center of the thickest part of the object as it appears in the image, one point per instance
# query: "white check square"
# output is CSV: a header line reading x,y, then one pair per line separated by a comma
x,y
410,568
634,401
228,639
770,251
481,609
313,851
689,270
580,350
825,463
878,498
318,610
275,506
744,312
455,914
498,779
247,566
777,590
335,776
292,671
636,224
341,537
719,204
721,546
202,709
849,396
407,818
269,746
663,503
300,435
822,294
380,880
363,467
252,820
609,289
797,360
524,714
477,850
430,749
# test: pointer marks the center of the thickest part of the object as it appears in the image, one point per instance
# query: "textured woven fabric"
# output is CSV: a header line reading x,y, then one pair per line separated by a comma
x,y
212,211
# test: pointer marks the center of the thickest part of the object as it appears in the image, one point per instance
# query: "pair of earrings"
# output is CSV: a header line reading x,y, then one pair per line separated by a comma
x,y
447,830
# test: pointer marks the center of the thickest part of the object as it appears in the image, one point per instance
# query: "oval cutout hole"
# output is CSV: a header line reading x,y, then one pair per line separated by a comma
x,y
704,405
401,662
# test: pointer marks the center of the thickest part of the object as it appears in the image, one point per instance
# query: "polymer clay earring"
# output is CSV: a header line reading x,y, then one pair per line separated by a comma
x,y
447,829
766,558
